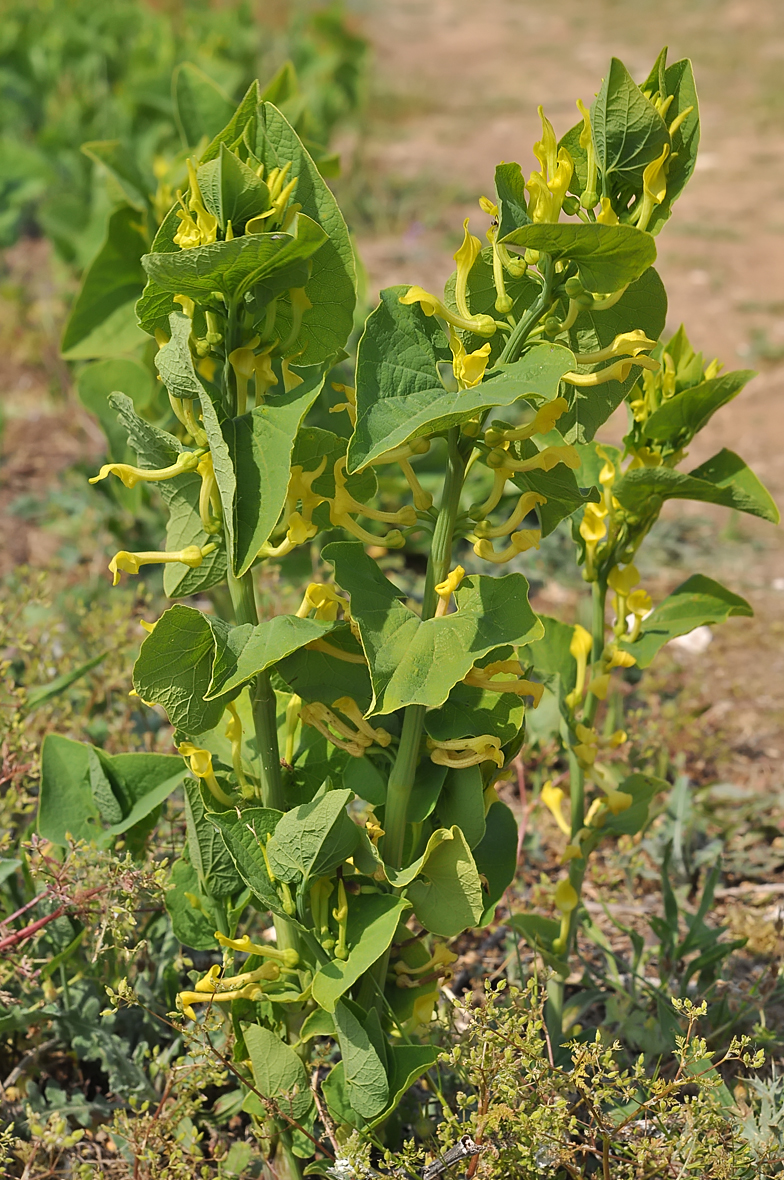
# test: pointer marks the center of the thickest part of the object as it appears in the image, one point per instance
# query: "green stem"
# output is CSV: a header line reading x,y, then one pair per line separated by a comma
x,y
401,778
522,331
262,698
599,600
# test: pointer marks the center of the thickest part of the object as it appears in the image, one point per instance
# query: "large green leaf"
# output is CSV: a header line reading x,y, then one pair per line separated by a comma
x,y
278,1073
233,267
331,288
470,712
697,601
643,306
242,652
313,839
461,803
157,448
114,157
400,395
174,669
724,479
232,191
372,922
175,365
111,283
679,82
681,416
608,256
318,676
190,910
628,131
447,897
406,1063
496,857
207,850
201,109
366,1080
510,192
244,833
418,662
260,445
96,797
244,116
156,305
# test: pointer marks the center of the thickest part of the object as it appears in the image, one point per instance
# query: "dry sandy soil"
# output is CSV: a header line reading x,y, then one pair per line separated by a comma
x,y
454,89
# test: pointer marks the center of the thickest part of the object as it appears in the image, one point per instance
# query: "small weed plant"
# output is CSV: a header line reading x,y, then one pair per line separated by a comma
x,y
339,762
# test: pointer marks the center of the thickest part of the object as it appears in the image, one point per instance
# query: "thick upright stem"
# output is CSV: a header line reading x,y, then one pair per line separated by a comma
x,y
262,697
401,779
598,607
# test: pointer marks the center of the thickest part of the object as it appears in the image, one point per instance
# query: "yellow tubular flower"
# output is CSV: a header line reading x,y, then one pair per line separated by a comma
x,y
566,900
618,801
200,230
525,504
545,460
324,600
209,500
465,258
468,368
589,196
349,708
243,362
654,187
131,563
340,914
299,305
349,405
625,344
621,582
422,499
548,188
344,502
639,603
446,589
348,657
234,734
484,678
500,476
553,797
616,372
200,763
441,957
519,542
544,420
607,216
580,649
374,831
289,958
292,721
463,752
130,476
480,325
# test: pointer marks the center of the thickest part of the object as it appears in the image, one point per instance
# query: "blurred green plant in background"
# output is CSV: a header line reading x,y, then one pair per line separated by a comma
x,y
72,71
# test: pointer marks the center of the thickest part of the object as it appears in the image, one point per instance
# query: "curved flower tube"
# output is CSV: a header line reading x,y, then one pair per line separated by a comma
x,y
131,563
519,542
130,476
463,752
480,325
